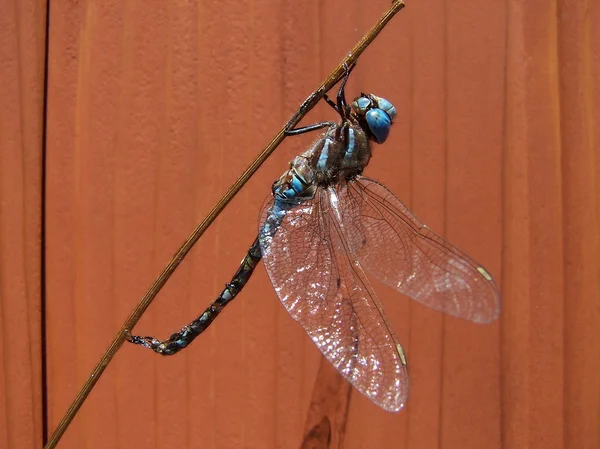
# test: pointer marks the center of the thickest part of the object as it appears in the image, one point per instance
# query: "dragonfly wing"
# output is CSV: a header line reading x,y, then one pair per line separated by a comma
x,y
326,291
397,248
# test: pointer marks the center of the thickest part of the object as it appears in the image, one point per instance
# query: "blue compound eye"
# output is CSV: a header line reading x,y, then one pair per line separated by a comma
x,y
385,106
361,105
379,124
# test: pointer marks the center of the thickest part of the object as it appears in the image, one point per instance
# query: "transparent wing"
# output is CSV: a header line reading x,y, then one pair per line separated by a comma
x,y
326,291
393,245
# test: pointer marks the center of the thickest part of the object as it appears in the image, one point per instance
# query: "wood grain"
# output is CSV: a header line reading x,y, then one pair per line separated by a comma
x,y
154,108
22,66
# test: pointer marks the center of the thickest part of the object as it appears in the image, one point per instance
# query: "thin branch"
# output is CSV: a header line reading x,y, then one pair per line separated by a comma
x,y
161,280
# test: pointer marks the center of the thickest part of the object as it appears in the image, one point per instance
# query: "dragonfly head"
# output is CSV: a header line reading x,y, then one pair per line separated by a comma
x,y
377,113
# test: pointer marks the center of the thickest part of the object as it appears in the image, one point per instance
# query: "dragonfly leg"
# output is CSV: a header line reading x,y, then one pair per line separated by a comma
x,y
331,103
179,340
309,128
342,108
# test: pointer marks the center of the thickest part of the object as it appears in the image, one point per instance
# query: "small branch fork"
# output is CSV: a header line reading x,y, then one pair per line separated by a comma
x,y
334,77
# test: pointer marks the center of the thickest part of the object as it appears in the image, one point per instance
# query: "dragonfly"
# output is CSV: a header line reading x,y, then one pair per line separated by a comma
x,y
325,226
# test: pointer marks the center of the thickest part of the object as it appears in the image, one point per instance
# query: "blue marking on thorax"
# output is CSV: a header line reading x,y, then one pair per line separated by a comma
x,y
297,184
322,162
290,191
351,146
287,194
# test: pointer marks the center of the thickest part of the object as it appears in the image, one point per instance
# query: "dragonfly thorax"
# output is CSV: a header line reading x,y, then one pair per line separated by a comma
x,y
340,154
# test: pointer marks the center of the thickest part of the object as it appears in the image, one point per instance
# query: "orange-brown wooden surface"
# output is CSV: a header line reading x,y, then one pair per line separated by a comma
x,y
154,108
22,56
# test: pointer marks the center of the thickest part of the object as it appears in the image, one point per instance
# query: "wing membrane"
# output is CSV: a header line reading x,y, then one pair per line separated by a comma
x,y
326,291
397,248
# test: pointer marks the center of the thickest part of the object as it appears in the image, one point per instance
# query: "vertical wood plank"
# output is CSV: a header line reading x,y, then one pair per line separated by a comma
x,y
532,325
428,173
581,298
475,45
22,66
